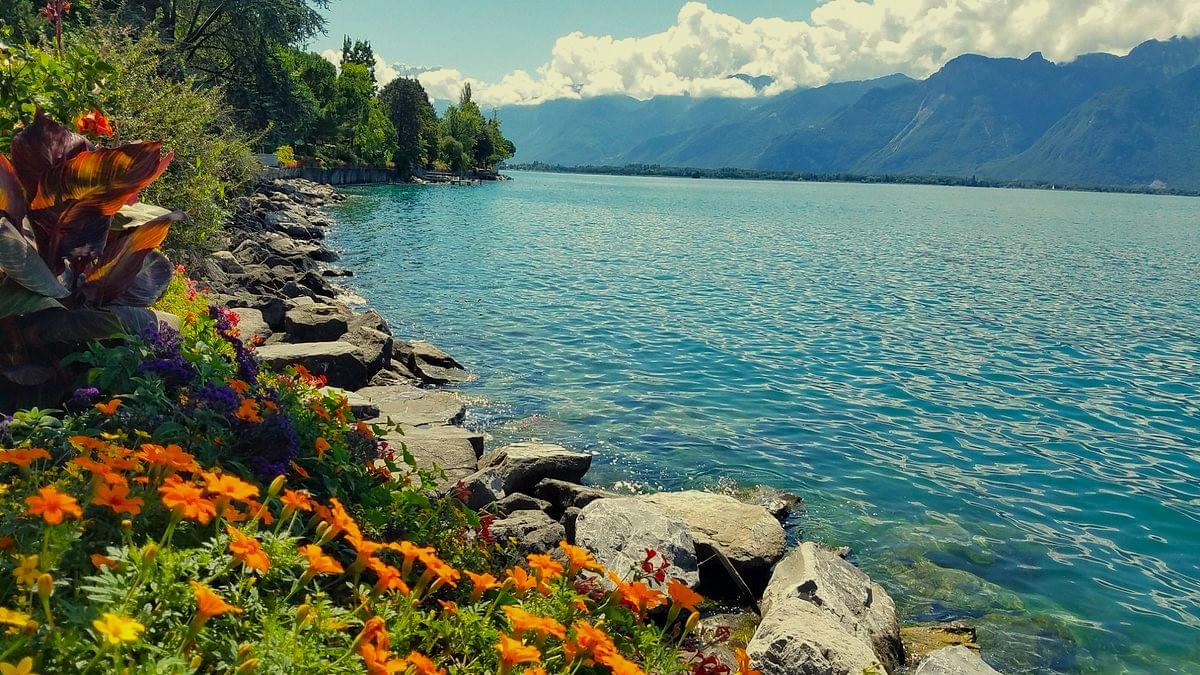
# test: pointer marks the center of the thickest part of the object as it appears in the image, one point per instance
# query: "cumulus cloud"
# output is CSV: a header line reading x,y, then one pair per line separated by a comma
x,y
841,40
384,72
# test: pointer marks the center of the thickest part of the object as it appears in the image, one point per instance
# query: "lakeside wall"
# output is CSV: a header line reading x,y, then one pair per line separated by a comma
x,y
342,175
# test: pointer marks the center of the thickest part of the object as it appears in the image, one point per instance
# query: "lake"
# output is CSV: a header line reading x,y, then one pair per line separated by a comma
x,y
992,396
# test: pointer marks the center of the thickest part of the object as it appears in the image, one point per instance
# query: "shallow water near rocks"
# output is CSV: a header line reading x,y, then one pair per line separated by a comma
x,y
992,396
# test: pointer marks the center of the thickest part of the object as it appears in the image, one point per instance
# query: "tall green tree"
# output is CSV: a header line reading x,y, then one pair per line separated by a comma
x,y
414,119
359,52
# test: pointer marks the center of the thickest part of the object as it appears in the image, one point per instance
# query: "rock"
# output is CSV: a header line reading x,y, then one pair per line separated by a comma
x,y
749,536
453,450
841,591
226,261
779,503
797,638
921,641
481,489
413,406
532,531
360,407
954,661
392,375
340,362
516,501
317,323
430,363
370,319
376,347
563,495
569,519
619,530
524,464
251,324
720,634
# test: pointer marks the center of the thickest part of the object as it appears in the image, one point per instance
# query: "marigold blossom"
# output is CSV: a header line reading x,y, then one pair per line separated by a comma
x,y
11,617
23,457
318,562
53,506
683,596
22,667
246,550
524,622
423,665
481,583
229,486
116,497
209,604
117,629
578,559
187,500
322,446
109,408
513,652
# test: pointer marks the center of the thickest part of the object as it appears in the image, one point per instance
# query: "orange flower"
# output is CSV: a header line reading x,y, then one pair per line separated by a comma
x,y
441,573
683,596
423,665
248,411
209,604
322,446
94,123
618,664
116,497
524,622
318,562
448,606
246,550
481,583
99,470
295,500
341,521
23,457
298,469
229,487
109,408
744,663
578,559
522,580
239,386
100,561
187,500
548,568
171,457
389,578
636,595
513,652
53,506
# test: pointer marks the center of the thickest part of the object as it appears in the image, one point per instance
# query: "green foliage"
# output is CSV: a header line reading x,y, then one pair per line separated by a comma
x,y
213,158
31,78
415,121
285,155
359,52
313,81
375,137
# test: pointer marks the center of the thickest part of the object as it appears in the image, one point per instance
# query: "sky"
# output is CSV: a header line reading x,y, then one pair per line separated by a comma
x,y
528,51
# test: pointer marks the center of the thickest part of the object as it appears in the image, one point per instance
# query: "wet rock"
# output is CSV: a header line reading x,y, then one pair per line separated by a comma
x,y
431,364
524,464
749,536
317,323
780,504
618,531
516,501
954,661
340,362
563,494
841,591
920,641
530,531
413,406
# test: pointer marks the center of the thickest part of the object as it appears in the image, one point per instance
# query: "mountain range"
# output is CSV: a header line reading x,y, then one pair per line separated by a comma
x,y
1099,120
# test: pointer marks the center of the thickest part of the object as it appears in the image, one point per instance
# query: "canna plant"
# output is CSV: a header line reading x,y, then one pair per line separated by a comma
x,y
78,253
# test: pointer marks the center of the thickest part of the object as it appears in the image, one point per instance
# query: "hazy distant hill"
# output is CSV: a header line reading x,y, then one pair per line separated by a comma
x,y
1101,120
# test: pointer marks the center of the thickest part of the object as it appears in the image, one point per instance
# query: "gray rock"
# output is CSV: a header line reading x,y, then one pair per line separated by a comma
x,y
370,319
563,495
360,407
430,363
619,530
452,450
569,519
317,323
516,501
482,488
376,347
781,504
748,535
226,261
524,464
392,375
251,324
413,406
797,638
954,661
340,362
531,531
843,592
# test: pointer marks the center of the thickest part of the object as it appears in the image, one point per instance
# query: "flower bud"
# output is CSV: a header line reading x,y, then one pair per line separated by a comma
x,y
127,524
150,552
244,651
276,486
248,667
302,613
45,586
196,662
692,620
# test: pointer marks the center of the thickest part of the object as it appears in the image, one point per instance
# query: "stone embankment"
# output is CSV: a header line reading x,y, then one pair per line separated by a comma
x,y
804,611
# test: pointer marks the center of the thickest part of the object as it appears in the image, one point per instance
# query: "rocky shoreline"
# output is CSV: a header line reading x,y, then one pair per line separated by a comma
x,y
806,610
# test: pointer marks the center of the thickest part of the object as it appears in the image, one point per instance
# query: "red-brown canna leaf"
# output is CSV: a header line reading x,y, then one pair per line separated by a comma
x,y
123,262
104,179
40,147
12,195
149,284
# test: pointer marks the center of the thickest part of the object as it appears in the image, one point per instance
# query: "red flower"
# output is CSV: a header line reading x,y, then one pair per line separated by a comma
x,y
94,123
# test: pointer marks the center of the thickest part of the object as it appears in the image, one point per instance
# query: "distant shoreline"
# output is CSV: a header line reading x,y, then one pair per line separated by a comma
x,y
806,177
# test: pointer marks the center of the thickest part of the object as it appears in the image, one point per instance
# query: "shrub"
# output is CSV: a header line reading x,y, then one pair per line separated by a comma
x,y
213,159
286,155
138,534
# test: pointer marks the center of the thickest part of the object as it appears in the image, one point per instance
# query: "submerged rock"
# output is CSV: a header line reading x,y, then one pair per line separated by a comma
x,y
920,641
620,530
954,661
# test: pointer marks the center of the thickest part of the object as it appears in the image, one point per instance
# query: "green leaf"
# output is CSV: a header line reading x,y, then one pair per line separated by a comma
x,y
19,259
137,214
15,299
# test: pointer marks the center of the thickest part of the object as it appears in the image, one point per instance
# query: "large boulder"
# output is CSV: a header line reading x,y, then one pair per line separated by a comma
x,y
429,363
524,464
317,323
251,324
748,535
618,531
516,502
954,661
412,406
796,638
563,495
340,362
823,579
452,450
376,347
480,489
532,531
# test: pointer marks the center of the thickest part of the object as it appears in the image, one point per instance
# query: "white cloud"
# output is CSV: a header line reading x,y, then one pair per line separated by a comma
x,y
842,40
384,72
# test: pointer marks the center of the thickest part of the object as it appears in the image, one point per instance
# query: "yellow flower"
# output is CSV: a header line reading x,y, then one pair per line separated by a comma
x,y
117,629
27,572
11,617
23,667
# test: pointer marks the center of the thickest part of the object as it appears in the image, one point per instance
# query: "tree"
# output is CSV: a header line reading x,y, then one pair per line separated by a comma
x,y
314,85
359,52
413,117
375,137
452,154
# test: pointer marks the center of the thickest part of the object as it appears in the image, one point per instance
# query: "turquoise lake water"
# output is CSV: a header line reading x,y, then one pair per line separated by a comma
x,y
992,396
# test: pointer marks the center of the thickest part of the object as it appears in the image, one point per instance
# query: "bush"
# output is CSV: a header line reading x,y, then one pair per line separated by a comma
x,y
285,155
213,159
145,529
